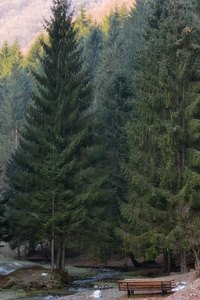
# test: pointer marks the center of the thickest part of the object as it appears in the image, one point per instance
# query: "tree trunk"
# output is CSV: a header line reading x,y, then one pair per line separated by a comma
x,y
165,258
197,261
25,246
44,252
197,267
169,261
59,255
18,249
134,261
183,261
173,265
63,255
53,235
60,262
52,252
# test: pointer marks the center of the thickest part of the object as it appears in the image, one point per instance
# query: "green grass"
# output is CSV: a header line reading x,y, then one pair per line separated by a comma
x,y
80,272
11,295
140,274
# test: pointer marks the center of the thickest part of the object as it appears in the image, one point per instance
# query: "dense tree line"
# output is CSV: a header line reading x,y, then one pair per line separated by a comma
x,y
100,133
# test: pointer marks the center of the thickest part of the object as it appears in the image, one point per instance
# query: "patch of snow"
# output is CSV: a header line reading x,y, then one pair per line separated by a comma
x,y
3,271
178,288
15,263
44,274
97,294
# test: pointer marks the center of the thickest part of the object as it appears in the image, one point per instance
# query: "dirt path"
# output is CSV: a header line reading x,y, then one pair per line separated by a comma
x,y
190,291
187,288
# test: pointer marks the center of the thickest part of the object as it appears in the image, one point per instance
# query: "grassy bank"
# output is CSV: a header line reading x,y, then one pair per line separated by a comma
x,y
26,278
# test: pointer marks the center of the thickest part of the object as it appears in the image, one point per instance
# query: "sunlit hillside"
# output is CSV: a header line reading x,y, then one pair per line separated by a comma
x,y
98,13
23,19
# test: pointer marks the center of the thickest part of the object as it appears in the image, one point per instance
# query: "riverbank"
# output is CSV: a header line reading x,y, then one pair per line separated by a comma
x,y
187,288
80,268
21,279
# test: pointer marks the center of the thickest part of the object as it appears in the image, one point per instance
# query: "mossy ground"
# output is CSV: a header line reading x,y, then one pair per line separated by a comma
x,y
28,279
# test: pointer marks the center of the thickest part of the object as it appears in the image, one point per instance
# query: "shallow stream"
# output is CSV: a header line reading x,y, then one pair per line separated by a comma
x,y
102,275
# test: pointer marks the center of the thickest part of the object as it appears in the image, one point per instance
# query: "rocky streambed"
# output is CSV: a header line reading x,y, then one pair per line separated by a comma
x,y
25,278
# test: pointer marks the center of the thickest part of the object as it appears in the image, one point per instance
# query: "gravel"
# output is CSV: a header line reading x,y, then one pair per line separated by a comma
x,y
189,290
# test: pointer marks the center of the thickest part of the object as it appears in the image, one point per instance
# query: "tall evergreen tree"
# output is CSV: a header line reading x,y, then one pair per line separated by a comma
x,y
105,22
56,155
83,23
93,45
185,120
31,60
158,138
112,95
14,97
4,59
3,227
134,29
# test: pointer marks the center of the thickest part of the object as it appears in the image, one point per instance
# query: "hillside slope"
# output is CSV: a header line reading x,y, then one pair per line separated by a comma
x,y
98,13
23,19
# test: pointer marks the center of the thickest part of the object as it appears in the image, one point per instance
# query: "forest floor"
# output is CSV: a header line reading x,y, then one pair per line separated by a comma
x,y
187,289
27,278
187,286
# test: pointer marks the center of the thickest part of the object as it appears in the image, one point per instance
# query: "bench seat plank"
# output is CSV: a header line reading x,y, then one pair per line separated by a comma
x,y
154,285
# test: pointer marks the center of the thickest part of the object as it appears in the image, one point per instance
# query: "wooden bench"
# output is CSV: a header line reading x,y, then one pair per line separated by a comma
x,y
146,285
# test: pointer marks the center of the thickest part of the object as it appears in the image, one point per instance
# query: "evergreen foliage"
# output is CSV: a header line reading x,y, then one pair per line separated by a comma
x,y
56,157
3,223
93,46
14,97
83,23
134,29
158,135
105,22
31,60
4,59
112,94
121,162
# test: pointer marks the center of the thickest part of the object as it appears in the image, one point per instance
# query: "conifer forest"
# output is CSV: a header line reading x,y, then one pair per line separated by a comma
x,y
100,134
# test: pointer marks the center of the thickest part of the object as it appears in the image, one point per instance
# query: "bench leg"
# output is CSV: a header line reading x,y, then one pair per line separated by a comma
x,y
162,289
130,293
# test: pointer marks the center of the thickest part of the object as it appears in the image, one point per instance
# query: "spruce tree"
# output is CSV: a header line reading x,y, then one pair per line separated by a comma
x,y
105,22
9,55
83,24
141,211
159,132
111,101
31,60
3,224
184,136
93,45
4,59
14,97
55,155
134,29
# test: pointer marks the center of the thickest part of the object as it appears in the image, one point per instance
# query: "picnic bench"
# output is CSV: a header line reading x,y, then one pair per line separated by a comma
x,y
146,285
